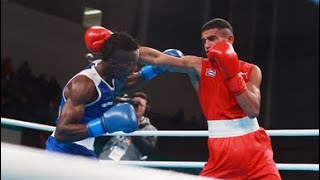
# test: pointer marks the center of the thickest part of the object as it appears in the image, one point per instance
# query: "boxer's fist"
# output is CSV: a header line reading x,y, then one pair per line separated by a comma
x,y
148,72
173,52
95,37
227,60
121,117
225,57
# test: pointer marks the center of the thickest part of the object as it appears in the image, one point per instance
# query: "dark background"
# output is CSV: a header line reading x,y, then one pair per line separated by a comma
x,y
280,36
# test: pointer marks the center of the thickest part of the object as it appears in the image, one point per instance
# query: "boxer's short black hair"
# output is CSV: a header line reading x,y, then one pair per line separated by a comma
x,y
118,41
217,23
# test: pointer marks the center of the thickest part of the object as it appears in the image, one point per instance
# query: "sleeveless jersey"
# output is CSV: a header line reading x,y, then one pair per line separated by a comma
x,y
95,109
106,95
215,98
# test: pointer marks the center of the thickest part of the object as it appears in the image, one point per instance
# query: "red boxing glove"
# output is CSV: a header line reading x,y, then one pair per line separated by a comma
x,y
227,59
95,37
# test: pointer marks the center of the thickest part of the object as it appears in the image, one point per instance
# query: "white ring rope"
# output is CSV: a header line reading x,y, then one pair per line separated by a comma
x,y
172,164
19,123
202,133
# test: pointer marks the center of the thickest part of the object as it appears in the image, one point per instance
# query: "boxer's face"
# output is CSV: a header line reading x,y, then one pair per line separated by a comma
x,y
123,63
212,36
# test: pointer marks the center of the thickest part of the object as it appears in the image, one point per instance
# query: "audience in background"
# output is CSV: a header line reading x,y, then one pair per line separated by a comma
x,y
130,147
27,97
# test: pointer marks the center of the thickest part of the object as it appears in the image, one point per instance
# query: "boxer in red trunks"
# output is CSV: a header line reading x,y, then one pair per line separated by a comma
x,y
229,94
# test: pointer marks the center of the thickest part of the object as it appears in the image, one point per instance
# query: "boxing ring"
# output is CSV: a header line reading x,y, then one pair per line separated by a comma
x,y
10,161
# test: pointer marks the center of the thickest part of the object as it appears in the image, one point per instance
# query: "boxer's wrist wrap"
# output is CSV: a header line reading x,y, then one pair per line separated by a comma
x,y
95,128
236,84
147,73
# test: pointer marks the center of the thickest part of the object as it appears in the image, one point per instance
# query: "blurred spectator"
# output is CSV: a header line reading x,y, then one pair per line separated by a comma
x,y
24,97
24,72
126,147
53,110
7,68
4,97
54,88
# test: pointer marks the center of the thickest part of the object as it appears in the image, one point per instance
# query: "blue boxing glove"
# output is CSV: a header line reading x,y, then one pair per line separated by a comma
x,y
148,72
173,52
121,117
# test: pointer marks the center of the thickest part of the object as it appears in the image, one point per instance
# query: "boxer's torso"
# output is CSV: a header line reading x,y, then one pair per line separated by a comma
x,y
217,102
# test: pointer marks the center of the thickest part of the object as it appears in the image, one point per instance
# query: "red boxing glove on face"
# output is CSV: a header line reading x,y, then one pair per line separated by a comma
x,y
227,59
95,37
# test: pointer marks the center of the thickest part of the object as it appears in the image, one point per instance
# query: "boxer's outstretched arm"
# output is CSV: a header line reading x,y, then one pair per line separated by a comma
x,y
173,64
78,93
161,62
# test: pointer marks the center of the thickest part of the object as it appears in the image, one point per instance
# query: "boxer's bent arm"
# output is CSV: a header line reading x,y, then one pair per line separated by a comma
x,y
67,130
249,100
173,64
134,80
79,92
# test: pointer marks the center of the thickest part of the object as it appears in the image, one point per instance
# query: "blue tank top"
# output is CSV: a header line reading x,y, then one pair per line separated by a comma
x,y
95,109
106,95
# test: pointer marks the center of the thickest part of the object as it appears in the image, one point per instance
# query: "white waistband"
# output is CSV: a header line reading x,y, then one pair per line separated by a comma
x,y
232,128
88,142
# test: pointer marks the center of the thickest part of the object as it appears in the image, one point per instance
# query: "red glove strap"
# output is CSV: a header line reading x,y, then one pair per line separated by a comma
x,y
236,84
